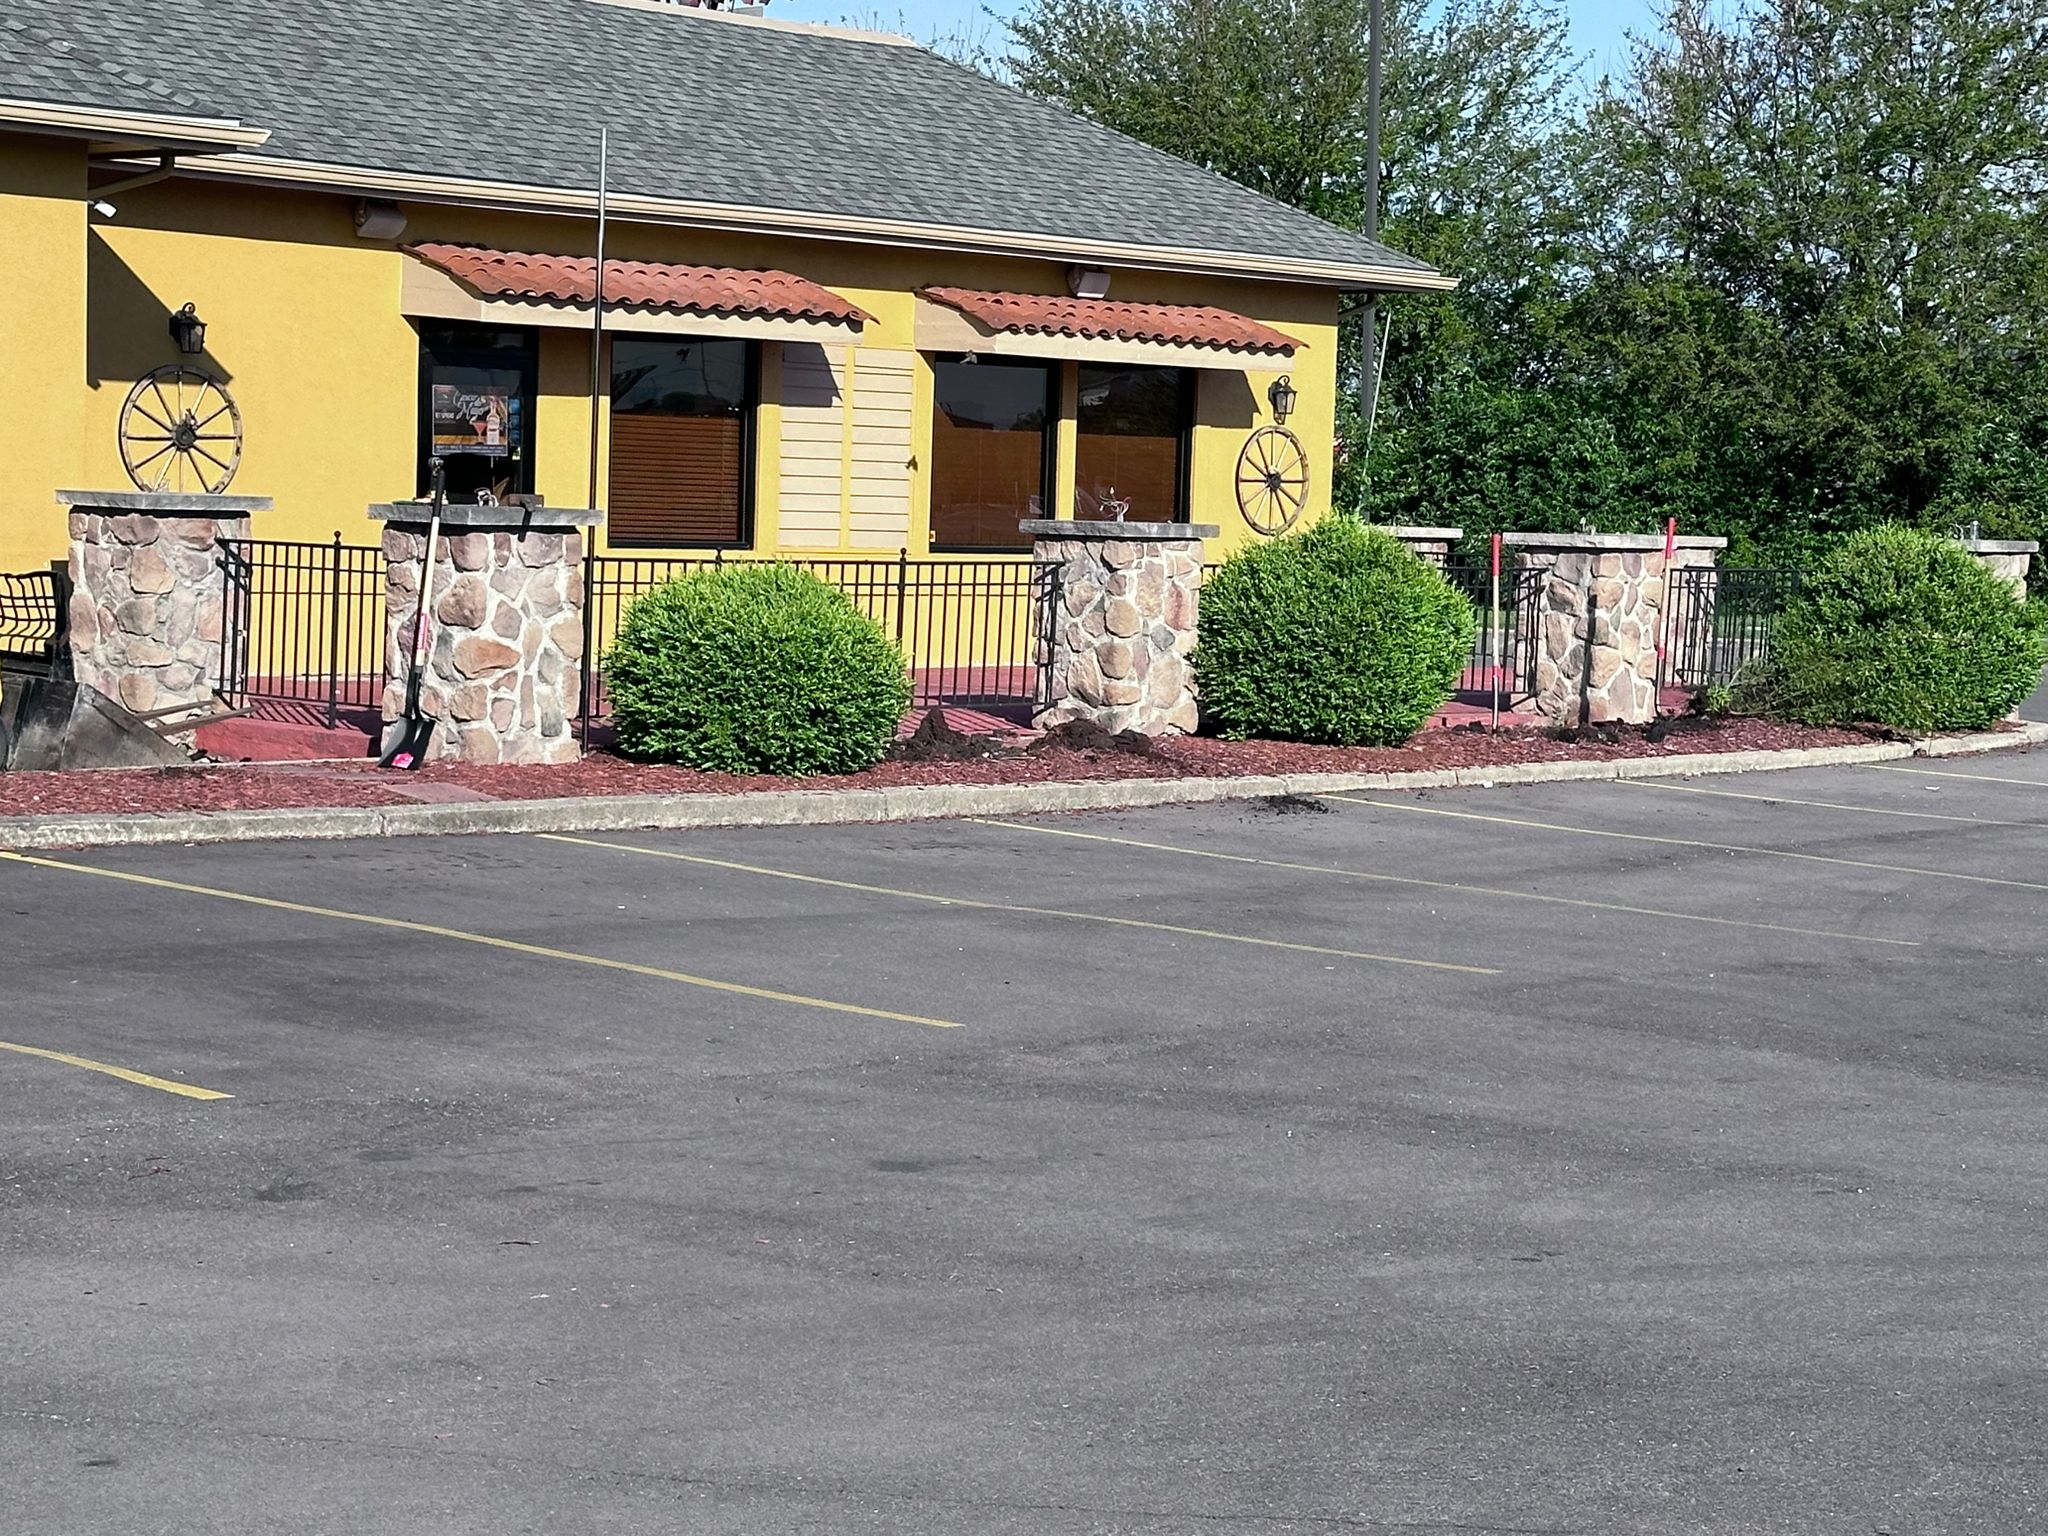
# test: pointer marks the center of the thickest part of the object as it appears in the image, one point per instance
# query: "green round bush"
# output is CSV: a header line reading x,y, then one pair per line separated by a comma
x,y
1339,634
754,669
1898,627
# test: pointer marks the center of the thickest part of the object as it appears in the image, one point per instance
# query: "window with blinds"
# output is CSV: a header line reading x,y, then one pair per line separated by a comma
x,y
992,427
682,445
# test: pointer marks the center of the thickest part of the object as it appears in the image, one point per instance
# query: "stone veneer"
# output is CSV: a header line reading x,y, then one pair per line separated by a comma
x,y
148,594
1598,615
507,618
2007,559
1116,645
1431,544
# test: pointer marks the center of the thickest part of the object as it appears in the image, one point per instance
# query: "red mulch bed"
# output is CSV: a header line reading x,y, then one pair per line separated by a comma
x,y
246,787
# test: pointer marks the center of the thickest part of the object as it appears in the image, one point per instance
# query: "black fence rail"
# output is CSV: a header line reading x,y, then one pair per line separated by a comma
x,y
1719,622
1514,655
32,605
970,628
303,624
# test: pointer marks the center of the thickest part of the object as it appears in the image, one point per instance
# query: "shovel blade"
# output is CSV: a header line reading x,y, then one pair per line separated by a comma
x,y
406,741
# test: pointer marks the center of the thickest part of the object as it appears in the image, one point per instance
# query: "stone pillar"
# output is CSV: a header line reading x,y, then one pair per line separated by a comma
x,y
149,593
506,622
2007,559
1116,643
1598,610
1431,544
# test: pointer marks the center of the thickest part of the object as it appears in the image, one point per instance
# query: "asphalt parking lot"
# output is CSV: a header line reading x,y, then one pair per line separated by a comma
x,y
1655,1157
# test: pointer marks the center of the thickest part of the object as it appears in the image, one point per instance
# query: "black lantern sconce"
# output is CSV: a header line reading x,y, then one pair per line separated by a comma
x,y
1281,394
188,331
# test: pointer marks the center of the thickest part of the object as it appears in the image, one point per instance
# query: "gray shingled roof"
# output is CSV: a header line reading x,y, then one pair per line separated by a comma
x,y
699,110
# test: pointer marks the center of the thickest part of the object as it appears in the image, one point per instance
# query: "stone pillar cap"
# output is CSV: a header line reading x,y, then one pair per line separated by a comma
x,y
166,503
464,514
1091,528
1626,542
2001,546
1409,531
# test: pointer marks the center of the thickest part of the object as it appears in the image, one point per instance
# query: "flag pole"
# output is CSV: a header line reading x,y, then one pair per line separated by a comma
x,y
597,304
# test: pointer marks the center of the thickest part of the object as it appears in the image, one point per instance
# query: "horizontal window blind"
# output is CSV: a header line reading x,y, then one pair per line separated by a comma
x,y
676,480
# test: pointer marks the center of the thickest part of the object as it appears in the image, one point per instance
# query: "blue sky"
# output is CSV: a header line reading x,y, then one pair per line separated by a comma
x,y
1598,26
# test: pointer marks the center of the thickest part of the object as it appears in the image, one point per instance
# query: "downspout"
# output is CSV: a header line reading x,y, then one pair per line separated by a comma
x,y
167,166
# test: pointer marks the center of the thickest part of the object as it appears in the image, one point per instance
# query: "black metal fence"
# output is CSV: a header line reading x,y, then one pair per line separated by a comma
x,y
1719,622
1515,655
303,625
970,628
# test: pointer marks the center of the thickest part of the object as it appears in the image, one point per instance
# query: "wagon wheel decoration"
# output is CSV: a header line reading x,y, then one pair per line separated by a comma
x,y
180,431
1272,479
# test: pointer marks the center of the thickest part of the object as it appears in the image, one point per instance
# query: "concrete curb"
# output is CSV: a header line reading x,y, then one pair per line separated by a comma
x,y
922,802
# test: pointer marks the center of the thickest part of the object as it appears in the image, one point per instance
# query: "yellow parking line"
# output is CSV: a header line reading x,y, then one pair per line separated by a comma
x,y
186,1090
1950,773
1822,805
1009,906
1691,842
539,951
1458,886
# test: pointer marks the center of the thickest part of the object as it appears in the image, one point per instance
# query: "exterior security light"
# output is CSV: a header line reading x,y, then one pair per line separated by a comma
x,y
379,220
1087,282
1282,395
188,331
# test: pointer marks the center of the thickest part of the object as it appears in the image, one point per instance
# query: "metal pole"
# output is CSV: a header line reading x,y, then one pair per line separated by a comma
x,y
334,636
1496,633
597,303
586,681
1375,40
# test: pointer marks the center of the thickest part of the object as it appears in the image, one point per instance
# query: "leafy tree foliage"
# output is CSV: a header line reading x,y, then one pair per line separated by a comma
x,y
1785,277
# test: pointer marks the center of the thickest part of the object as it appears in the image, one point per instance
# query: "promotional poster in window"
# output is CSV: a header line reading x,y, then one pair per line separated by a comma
x,y
480,422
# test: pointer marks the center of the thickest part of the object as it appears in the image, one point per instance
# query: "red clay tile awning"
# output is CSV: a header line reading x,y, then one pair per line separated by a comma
x,y
1183,325
657,285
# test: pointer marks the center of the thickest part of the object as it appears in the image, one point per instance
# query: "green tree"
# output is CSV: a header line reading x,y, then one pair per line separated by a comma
x,y
1815,268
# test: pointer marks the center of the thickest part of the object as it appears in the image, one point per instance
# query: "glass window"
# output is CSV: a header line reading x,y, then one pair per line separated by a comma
x,y
682,441
991,440
1131,439
476,408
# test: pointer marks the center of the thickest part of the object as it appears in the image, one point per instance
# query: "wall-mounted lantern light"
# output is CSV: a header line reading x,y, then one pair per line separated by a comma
x,y
1282,395
188,331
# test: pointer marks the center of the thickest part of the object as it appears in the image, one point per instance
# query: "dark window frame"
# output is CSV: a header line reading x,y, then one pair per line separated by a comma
x,y
1048,470
526,360
1190,411
750,416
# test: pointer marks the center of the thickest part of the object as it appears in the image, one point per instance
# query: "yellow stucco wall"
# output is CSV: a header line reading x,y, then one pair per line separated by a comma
x,y
42,342
304,325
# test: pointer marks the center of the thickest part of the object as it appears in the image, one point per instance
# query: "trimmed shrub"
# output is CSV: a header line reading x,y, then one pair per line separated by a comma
x,y
1337,635
755,669
1898,627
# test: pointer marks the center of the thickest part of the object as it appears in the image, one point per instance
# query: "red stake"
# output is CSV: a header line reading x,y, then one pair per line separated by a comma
x,y
1664,607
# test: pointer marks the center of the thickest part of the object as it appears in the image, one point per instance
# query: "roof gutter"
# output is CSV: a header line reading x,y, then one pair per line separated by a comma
x,y
203,134
743,219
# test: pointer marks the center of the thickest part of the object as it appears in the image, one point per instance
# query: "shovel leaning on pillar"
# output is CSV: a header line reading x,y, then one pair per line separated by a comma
x,y
411,733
